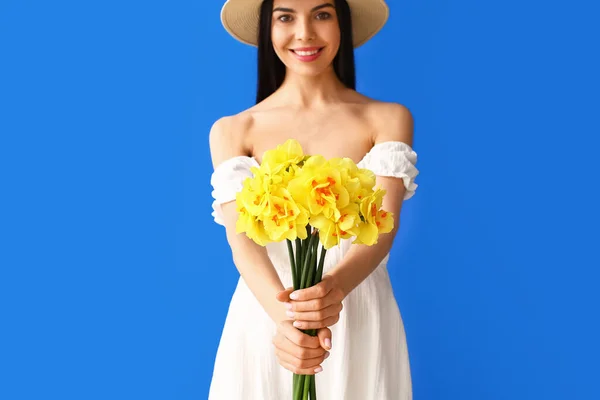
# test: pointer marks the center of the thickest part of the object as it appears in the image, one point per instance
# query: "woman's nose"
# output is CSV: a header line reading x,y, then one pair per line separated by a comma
x,y
305,30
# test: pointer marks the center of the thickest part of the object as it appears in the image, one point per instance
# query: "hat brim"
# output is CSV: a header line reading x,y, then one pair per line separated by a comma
x,y
241,18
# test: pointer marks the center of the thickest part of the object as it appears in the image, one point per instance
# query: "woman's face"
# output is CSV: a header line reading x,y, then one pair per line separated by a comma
x,y
305,34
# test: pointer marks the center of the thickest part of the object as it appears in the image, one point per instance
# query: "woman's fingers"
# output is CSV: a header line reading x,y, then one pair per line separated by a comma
x,y
298,338
317,319
324,335
319,315
311,305
330,321
298,357
284,295
298,352
300,371
301,363
319,290
335,296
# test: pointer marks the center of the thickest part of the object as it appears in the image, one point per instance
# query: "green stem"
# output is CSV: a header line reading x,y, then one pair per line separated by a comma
x,y
305,241
305,249
307,262
301,250
312,266
292,262
304,385
305,254
319,276
298,263
307,386
298,389
313,388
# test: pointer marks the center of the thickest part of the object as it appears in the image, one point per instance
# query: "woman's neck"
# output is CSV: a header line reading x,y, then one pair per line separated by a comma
x,y
309,92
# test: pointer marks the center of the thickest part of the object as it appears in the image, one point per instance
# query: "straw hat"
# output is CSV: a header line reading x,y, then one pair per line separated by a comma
x,y
241,18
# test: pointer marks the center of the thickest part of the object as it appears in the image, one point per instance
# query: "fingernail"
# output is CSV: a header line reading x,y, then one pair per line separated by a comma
x,y
290,314
294,296
326,355
297,324
319,369
328,343
288,306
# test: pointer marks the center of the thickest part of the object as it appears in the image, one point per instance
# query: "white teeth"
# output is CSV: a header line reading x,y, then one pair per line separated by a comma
x,y
306,53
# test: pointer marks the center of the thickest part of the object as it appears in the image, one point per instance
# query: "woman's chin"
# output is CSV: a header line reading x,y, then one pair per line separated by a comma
x,y
306,69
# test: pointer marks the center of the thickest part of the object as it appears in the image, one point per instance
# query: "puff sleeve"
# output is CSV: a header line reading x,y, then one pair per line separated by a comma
x,y
226,180
395,159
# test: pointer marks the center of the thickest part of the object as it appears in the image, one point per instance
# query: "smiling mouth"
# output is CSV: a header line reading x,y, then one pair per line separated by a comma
x,y
304,53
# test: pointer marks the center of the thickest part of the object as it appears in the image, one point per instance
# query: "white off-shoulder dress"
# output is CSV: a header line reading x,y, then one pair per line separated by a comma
x,y
369,356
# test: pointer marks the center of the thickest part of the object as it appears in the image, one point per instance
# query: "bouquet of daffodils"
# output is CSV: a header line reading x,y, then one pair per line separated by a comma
x,y
307,201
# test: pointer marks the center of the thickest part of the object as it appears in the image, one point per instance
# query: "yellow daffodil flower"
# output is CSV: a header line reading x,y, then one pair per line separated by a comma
x,y
318,188
279,159
283,218
331,232
254,229
374,220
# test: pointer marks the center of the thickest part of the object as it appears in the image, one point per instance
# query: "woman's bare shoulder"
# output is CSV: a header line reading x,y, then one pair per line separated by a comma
x,y
376,106
239,124
388,120
391,121
227,137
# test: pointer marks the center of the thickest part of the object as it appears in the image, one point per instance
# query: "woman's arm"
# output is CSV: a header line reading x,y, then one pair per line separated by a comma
x,y
251,259
319,305
394,122
255,267
361,260
295,350
316,306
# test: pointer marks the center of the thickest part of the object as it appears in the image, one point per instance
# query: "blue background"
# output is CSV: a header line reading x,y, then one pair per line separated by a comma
x,y
115,281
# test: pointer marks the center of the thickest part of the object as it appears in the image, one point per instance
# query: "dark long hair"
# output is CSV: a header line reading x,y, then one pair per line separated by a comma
x,y
271,71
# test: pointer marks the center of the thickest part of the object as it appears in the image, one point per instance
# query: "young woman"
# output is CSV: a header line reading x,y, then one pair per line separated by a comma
x,y
306,91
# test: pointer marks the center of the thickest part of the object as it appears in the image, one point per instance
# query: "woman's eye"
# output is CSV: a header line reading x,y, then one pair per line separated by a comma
x,y
287,18
323,15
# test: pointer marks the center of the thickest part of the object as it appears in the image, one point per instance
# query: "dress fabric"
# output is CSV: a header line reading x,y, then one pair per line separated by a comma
x,y
369,357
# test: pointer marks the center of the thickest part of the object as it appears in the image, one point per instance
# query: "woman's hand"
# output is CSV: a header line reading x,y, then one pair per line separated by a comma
x,y
315,307
298,352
